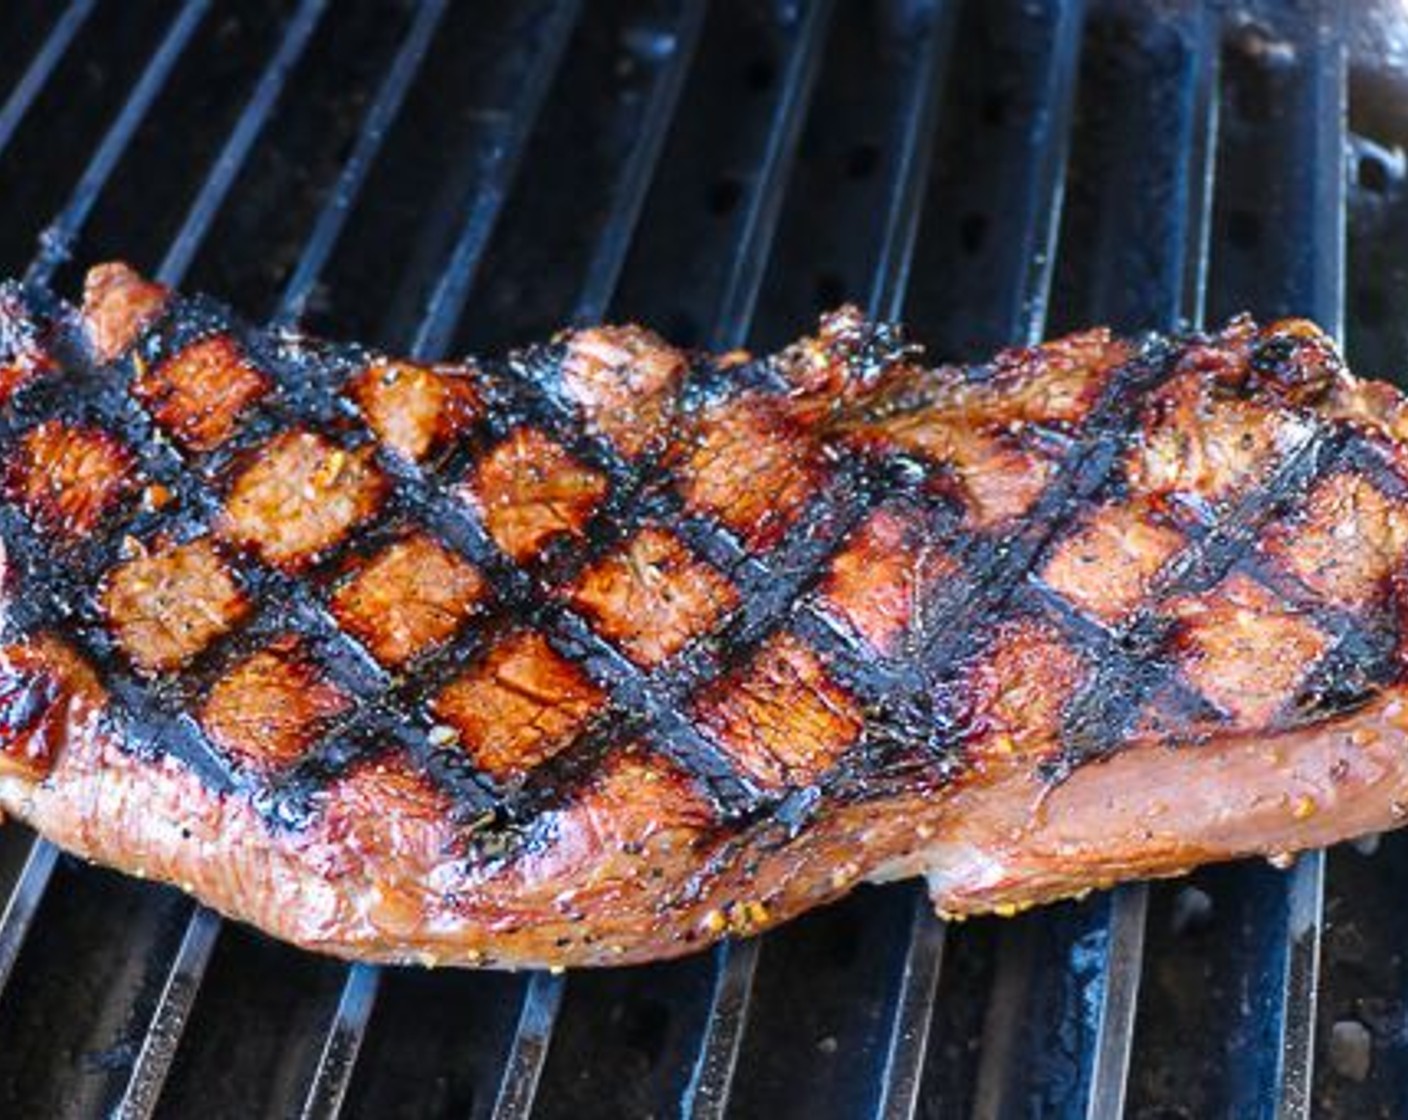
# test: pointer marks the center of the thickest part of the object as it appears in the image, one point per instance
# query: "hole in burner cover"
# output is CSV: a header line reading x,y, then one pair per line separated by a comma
x,y
760,74
1378,168
1244,229
830,289
724,196
645,1026
994,108
1373,175
684,329
843,939
972,232
1372,306
863,160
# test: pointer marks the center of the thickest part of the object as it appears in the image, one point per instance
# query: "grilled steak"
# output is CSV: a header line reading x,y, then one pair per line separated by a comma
x,y
606,651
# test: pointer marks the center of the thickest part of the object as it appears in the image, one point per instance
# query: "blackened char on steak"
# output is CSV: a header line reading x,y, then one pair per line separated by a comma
x,y
604,651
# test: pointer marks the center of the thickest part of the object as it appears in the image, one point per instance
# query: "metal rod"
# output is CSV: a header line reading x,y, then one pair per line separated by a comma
x,y
524,1067
342,1044
23,902
764,201
1326,218
178,995
335,1069
377,123
1128,915
231,159
56,242
908,1044
1119,999
609,257
442,312
41,66
711,1079
1041,225
910,174
542,999
1039,232
168,1022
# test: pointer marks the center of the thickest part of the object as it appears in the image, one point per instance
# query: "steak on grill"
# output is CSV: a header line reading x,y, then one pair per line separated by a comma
x,y
605,651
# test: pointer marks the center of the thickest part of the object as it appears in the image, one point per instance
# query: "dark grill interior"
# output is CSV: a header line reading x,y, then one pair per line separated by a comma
x,y
437,179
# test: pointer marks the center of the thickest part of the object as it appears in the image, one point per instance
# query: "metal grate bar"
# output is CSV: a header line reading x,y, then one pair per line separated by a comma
x,y
164,1032
542,999
609,257
923,959
1042,220
1301,971
1128,914
384,108
182,985
40,67
531,1038
56,241
711,1081
1099,1004
1045,200
1325,218
1119,999
343,1042
766,193
442,313
911,167
24,900
914,1013
232,156
712,1076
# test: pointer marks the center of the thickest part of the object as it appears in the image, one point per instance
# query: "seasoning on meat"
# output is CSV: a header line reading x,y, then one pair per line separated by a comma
x,y
408,598
166,604
300,496
603,651
199,394
67,476
530,490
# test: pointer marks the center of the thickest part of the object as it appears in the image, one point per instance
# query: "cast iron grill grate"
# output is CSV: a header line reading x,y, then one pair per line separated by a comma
x,y
440,178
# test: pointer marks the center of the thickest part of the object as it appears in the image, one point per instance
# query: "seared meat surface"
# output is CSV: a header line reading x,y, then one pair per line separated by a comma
x,y
605,651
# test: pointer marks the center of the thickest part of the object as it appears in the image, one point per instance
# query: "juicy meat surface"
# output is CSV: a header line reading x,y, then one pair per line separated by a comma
x,y
603,651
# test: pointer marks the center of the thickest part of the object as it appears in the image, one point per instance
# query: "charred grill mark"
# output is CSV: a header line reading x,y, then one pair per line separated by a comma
x,y
995,566
766,592
638,498
877,721
150,722
990,569
388,710
1135,660
1364,654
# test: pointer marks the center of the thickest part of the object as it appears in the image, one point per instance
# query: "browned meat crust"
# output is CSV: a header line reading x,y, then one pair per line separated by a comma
x,y
606,651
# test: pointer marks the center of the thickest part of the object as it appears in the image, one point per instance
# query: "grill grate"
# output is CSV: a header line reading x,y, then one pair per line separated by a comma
x,y
993,168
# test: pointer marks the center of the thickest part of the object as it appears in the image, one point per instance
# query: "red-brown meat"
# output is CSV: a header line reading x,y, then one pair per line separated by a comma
x,y
607,651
